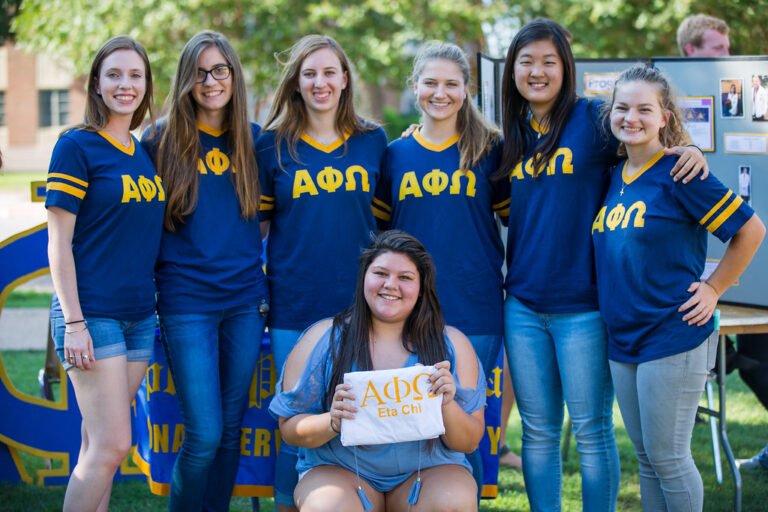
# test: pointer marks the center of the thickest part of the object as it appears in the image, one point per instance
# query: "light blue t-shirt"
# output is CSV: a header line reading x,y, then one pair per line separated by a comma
x,y
384,466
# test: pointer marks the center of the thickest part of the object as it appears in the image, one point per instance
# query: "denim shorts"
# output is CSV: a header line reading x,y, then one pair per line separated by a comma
x,y
111,338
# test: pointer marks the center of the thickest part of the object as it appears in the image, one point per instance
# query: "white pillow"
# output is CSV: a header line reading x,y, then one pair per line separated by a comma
x,y
393,406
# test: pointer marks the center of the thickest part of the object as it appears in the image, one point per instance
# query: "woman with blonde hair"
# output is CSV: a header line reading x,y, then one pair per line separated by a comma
x,y
319,164
103,196
212,292
650,238
436,185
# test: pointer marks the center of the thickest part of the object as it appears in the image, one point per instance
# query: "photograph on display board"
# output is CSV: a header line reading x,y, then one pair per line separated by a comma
x,y
745,183
698,119
759,97
732,98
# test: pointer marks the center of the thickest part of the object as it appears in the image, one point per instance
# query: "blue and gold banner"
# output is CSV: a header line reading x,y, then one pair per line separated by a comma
x,y
161,429
51,429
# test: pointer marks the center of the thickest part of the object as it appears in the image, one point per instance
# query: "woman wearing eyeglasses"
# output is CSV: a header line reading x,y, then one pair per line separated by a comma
x,y
212,292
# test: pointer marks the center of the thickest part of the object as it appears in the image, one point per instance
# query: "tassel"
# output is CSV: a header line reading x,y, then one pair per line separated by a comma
x,y
413,497
367,505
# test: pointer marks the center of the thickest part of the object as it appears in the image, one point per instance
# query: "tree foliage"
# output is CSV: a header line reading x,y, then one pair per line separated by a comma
x,y
644,28
8,10
378,36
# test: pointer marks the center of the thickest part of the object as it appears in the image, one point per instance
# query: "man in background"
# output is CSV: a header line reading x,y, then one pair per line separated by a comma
x,y
701,35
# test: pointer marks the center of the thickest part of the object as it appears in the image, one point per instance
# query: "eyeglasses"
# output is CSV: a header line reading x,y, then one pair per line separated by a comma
x,y
220,72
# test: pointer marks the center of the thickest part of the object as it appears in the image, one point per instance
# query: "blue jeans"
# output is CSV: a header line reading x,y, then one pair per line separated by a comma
x,y
282,342
658,401
212,357
556,358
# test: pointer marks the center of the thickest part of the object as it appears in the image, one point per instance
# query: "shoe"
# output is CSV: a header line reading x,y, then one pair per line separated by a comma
x,y
509,458
756,463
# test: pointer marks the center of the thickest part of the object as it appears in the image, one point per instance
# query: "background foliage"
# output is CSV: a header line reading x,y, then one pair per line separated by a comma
x,y
380,37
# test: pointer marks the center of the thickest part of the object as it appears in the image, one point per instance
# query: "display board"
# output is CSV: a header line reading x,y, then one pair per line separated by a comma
x,y
721,100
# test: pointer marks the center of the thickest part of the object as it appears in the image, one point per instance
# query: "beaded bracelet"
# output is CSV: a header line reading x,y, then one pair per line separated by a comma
x,y
75,322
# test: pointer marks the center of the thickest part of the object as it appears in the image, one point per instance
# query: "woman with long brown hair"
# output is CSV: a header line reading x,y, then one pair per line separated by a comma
x,y
319,164
103,197
212,292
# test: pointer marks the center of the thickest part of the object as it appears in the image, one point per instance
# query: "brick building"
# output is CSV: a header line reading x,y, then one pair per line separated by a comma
x,y
38,98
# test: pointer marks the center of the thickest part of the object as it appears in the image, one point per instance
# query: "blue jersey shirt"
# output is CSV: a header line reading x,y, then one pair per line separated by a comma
x,y
451,211
119,203
650,241
213,260
550,260
320,216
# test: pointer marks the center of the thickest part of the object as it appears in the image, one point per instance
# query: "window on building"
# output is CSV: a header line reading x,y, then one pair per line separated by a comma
x,y
2,108
54,107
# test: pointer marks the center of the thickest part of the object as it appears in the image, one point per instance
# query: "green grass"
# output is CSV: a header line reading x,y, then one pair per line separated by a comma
x,y
28,299
19,179
747,431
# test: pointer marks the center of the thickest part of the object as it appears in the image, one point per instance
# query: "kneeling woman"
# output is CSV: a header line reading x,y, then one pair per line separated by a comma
x,y
395,321
650,241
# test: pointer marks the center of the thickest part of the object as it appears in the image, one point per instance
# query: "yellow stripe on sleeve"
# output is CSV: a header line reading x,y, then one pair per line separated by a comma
x,y
380,214
67,177
267,199
381,204
725,215
265,207
503,213
714,209
503,204
69,189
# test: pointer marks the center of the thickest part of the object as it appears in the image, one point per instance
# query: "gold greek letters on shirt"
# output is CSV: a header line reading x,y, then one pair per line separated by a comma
x,y
562,160
330,180
435,182
145,190
216,161
619,216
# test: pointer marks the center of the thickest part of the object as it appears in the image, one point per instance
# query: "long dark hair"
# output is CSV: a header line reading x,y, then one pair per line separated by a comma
x,y
515,108
180,148
423,329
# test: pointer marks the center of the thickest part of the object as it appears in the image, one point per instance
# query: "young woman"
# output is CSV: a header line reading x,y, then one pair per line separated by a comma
x,y
436,185
650,240
395,321
557,155
319,164
732,102
212,292
103,196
